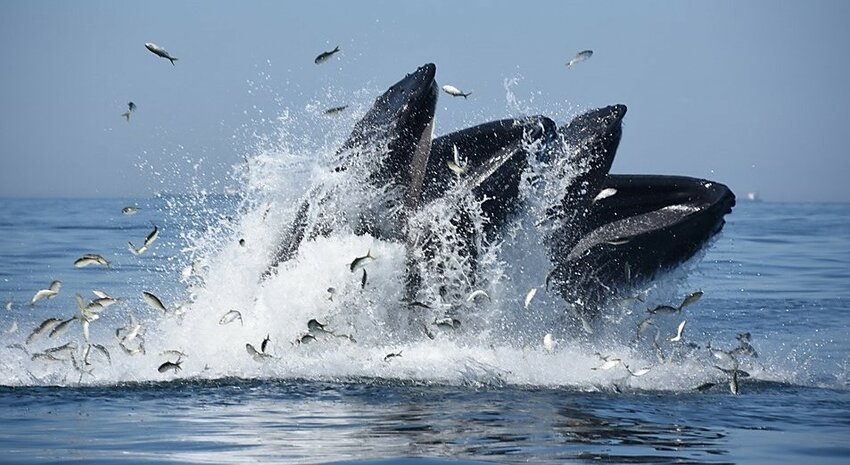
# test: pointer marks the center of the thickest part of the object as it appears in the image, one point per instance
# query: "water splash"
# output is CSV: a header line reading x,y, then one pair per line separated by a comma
x,y
226,244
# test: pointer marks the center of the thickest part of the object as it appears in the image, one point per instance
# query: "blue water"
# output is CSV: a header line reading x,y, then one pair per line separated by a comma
x,y
779,271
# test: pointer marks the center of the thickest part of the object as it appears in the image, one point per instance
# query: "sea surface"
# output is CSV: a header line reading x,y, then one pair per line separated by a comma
x,y
489,392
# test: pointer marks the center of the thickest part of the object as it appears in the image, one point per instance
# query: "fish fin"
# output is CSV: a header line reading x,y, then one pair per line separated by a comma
x,y
172,60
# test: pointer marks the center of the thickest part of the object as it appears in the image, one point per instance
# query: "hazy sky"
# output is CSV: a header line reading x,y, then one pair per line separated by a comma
x,y
751,94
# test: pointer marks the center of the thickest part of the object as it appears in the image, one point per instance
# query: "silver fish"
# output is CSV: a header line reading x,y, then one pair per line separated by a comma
x,y
91,259
100,349
149,240
530,296
255,354
43,328
154,302
447,323
100,294
638,372
455,163
45,357
173,352
136,250
325,56
264,345
604,194
43,294
478,292
173,366
580,56
455,92
18,346
130,210
60,329
67,347
360,262
392,355
159,51
133,351
55,286
305,338
662,309
335,110
230,316
679,330
690,299
363,280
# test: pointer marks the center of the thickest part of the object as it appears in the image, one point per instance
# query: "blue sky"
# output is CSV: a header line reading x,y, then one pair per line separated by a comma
x,y
752,94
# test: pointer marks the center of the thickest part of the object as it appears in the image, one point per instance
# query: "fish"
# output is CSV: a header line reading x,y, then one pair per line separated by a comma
x,y
604,194
91,259
159,51
42,294
723,356
135,351
331,292
638,372
743,337
230,316
305,338
130,210
45,357
733,382
136,250
131,331
18,346
580,56
67,347
131,107
360,262
335,110
690,299
173,366
363,280
478,292
100,294
151,237
455,92
154,302
414,303
242,242
455,164
608,362
172,352
265,344
100,349
325,56
257,355
392,355
679,330
43,328
447,323
663,309
530,296
63,326
549,343
745,349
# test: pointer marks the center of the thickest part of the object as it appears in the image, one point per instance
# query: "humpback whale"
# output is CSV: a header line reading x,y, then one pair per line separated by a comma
x,y
602,232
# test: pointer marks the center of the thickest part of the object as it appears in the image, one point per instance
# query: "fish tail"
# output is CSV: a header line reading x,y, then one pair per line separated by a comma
x,y
172,60
369,254
336,49
466,95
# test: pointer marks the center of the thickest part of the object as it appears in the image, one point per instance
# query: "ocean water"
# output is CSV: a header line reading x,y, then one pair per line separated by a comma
x,y
489,392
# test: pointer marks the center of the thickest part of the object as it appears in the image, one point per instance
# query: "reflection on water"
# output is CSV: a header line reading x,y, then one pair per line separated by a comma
x,y
309,422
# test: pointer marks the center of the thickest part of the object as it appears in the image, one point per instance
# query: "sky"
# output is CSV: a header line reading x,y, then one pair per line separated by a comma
x,y
751,94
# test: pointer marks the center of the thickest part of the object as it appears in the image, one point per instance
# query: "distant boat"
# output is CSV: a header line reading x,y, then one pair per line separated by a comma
x,y
753,197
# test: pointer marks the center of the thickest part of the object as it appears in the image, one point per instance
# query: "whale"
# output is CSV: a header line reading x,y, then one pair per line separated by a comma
x,y
603,233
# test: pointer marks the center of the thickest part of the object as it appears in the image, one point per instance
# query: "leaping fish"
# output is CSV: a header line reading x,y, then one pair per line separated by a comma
x,y
160,52
231,316
173,366
43,328
455,164
580,56
455,92
325,56
154,302
91,259
360,262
